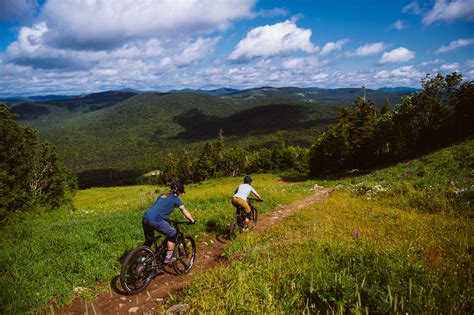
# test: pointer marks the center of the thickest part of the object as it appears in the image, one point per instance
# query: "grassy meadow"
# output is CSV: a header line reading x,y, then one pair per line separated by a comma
x,y
345,255
398,240
44,258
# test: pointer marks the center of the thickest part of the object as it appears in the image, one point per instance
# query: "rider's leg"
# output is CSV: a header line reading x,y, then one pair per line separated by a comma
x,y
149,232
170,246
165,228
238,202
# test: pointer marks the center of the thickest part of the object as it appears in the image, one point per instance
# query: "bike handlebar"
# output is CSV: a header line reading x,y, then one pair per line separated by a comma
x,y
255,199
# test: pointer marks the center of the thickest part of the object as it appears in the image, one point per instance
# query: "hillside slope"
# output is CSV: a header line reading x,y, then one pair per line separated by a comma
x,y
136,132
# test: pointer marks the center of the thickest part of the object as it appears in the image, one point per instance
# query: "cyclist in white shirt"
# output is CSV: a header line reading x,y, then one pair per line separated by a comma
x,y
239,199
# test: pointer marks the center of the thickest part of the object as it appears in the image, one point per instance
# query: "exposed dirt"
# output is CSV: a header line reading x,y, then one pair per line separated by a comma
x,y
208,256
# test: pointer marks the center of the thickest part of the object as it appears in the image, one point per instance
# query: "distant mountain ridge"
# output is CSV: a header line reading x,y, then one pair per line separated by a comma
x,y
399,89
229,92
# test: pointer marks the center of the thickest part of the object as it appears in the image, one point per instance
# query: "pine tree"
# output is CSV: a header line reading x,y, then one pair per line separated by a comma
x,y
31,176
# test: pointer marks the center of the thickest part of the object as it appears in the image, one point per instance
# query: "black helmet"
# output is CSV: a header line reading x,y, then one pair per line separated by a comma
x,y
177,187
247,179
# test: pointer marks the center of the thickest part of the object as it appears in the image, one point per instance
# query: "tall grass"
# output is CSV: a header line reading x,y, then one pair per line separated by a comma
x,y
44,258
345,255
442,182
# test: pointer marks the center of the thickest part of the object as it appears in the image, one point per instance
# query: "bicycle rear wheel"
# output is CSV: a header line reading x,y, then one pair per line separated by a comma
x,y
185,254
137,270
253,218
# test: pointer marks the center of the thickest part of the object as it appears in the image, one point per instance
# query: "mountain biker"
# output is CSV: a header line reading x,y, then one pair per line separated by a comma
x,y
155,218
239,199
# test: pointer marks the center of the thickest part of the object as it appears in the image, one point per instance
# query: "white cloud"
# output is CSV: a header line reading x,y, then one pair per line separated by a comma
x,y
402,72
455,45
320,77
368,49
450,67
403,76
333,46
298,63
431,62
412,7
29,40
107,24
454,10
78,34
400,54
30,50
272,40
398,25
470,63
197,50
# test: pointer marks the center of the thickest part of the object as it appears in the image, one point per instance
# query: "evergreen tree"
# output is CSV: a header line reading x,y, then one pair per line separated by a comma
x,y
31,175
362,121
170,168
185,168
205,165
463,106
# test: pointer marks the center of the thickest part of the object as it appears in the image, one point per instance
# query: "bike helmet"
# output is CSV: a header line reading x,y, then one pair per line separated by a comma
x,y
247,179
177,187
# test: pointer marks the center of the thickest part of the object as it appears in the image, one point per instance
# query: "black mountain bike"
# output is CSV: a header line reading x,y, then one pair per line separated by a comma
x,y
238,226
144,263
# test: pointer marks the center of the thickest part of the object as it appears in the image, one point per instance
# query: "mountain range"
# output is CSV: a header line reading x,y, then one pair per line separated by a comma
x,y
311,93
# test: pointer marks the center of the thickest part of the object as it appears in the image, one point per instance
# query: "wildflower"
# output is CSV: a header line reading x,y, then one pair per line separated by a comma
x,y
356,234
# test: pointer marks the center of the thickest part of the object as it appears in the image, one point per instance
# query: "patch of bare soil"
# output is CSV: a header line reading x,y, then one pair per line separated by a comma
x,y
208,256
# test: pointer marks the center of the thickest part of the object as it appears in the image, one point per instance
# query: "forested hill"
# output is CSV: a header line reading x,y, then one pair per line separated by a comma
x,y
137,131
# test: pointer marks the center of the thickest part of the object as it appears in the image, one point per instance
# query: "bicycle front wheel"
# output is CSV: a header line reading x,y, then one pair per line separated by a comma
x,y
185,254
137,270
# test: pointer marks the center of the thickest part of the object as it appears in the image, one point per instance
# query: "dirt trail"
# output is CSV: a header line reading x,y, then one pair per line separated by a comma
x,y
208,256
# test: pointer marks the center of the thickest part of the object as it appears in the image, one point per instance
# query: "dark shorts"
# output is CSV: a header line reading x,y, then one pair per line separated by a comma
x,y
161,226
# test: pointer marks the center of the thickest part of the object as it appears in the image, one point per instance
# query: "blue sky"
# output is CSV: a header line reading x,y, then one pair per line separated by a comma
x,y
79,46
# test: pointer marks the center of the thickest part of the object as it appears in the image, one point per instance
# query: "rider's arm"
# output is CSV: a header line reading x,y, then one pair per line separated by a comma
x,y
186,213
256,194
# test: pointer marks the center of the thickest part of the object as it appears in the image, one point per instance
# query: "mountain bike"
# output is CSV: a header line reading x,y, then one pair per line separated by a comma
x,y
239,226
145,262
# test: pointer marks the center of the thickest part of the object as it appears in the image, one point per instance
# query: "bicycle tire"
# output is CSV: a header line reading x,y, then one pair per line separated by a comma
x,y
137,270
185,254
253,218
233,231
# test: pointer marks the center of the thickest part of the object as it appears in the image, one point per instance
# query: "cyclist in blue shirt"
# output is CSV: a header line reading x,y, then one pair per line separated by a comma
x,y
155,218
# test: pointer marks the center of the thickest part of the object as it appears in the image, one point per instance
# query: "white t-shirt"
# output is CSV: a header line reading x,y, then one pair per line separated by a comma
x,y
243,191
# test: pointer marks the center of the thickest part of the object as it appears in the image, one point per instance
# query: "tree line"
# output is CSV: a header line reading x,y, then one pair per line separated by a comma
x,y
216,160
365,137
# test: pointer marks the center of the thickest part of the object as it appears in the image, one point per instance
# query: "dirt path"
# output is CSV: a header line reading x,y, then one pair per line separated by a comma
x,y
209,255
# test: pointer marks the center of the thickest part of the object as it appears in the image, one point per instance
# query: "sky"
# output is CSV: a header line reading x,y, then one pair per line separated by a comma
x,y
73,47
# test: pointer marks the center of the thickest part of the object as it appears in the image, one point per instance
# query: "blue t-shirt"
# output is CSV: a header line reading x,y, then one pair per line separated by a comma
x,y
162,207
